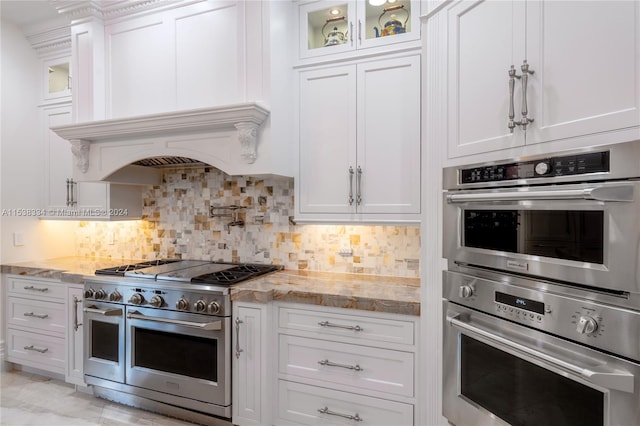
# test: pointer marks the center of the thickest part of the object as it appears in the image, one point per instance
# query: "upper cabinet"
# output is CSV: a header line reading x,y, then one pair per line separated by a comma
x,y
334,27
522,73
359,151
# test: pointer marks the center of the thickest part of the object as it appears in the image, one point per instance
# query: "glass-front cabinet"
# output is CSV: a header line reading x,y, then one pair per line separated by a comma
x,y
331,27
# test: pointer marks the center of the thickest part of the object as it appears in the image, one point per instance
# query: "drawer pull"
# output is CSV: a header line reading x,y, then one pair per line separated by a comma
x,y
346,327
33,348
326,410
333,364
31,314
33,288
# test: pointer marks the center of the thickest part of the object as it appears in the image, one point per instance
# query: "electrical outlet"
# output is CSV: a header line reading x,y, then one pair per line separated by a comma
x,y
345,250
18,239
111,237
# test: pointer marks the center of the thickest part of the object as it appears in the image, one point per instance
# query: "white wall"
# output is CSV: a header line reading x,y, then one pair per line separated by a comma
x,y
22,157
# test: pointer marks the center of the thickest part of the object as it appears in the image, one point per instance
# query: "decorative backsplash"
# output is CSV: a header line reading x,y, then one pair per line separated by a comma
x,y
176,224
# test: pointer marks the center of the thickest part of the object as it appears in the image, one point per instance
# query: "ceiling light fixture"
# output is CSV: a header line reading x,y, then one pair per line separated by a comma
x,y
334,12
377,2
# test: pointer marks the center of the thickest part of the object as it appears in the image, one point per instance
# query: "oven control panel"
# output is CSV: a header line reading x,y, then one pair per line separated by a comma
x,y
578,164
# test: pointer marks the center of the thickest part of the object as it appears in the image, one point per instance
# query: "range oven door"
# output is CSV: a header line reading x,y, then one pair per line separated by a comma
x,y
181,354
103,325
496,372
587,234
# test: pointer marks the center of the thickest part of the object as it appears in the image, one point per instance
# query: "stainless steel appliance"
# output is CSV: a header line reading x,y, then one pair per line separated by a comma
x,y
158,336
542,303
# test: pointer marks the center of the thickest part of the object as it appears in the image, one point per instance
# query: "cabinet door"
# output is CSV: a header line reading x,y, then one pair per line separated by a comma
x,y
586,59
389,136
484,39
75,340
326,27
58,157
248,371
388,23
327,140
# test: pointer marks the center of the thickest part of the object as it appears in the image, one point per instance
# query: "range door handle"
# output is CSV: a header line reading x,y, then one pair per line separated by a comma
x,y
215,325
605,377
596,193
107,313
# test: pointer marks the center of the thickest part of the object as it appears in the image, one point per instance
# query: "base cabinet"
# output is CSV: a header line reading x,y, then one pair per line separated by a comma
x,y
75,339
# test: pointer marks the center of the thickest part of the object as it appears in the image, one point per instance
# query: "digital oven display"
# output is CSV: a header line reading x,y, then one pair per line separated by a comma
x,y
520,303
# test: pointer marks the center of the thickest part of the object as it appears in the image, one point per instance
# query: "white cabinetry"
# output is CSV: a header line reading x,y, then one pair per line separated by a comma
x,y
250,361
359,142
75,339
335,27
336,365
584,57
36,323
67,199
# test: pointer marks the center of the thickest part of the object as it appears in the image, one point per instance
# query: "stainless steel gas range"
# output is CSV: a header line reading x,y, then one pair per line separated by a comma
x,y
158,335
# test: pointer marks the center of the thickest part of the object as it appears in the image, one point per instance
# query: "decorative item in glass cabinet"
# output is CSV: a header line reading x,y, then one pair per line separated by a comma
x,y
334,37
393,26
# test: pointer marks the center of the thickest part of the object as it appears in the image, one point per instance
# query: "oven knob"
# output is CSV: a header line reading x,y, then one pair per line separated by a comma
x,y
200,306
136,299
214,308
465,291
542,168
156,301
100,294
88,293
115,296
182,304
586,325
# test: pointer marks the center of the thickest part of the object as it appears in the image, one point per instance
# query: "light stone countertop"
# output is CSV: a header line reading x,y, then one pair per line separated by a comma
x,y
351,291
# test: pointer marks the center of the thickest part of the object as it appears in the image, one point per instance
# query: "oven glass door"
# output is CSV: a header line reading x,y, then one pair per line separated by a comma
x,y
104,341
179,353
496,372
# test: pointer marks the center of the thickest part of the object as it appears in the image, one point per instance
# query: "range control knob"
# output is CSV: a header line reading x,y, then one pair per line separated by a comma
x,y
465,291
156,301
182,304
586,325
136,299
88,293
115,296
214,308
200,305
100,294
542,168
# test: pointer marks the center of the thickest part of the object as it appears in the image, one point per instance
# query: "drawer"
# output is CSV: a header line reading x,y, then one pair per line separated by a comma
x,y
355,327
43,316
44,289
36,350
361,367
310,405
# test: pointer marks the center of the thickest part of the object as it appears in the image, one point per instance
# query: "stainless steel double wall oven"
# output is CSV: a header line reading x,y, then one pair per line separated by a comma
x,y
542,290
158,336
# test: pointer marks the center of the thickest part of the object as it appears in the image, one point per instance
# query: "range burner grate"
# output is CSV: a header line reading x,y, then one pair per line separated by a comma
x,y
120,270
236,274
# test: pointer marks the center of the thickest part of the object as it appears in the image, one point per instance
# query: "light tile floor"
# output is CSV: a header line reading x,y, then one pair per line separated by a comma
x,y
30,399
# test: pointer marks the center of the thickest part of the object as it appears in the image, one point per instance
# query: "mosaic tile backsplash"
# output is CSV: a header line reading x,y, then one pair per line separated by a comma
x,y
176,224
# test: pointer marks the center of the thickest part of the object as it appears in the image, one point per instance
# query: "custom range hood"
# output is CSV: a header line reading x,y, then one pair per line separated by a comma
x,y
130,150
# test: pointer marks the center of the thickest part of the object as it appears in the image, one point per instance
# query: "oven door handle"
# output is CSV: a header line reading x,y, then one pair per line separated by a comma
x,y
216,325
596,193
106,313
610,379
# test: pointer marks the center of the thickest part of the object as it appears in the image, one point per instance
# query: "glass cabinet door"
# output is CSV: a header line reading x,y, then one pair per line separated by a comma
x,y
326,27
330,27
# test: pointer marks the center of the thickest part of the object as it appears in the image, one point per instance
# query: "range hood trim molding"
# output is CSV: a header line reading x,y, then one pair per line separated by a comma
x,y
245,118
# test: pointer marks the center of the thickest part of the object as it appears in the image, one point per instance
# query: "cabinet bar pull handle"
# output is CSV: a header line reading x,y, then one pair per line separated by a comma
x,y
68,192
42,289
346,327
351,185
33,348
359,186
512,83
351,32
31,314
525,121
326,410
360,31
72,201
238,350
76,324
334,364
